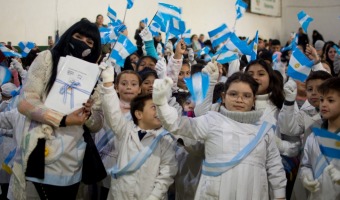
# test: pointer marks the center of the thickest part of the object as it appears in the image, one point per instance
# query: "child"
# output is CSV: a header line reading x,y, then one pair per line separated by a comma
x,y
150,179
308,116
148,76
327,185
225,134
183,99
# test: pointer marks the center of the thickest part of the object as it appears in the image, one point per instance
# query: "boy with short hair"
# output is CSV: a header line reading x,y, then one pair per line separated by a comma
x,y
300,123
146,163
324,182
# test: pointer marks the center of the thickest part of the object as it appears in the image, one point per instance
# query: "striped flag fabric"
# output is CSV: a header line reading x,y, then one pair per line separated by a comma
x,y
122,49
241,8
111,14
235,44
292,44
176,27
5,75
219,35
253,45
154,28
203,51
8,52
186,37
304,20
198,85
299,66
224,55
329,143
26,47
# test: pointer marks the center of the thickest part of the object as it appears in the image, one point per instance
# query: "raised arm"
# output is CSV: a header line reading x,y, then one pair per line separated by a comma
x,y
175,64
150,49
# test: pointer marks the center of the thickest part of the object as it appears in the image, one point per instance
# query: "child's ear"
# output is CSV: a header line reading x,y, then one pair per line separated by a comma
x,y
138,114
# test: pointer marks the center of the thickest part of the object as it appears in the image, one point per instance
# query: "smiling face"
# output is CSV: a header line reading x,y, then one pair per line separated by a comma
x,y
147,119
330,105
239,97
147,84
261,76
128,87
331,53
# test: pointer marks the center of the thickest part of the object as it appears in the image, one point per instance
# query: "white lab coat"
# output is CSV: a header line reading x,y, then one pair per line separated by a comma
x,y
328,189
156,174
224,138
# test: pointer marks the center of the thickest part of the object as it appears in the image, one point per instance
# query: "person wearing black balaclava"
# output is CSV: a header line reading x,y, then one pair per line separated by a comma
x,y
53,156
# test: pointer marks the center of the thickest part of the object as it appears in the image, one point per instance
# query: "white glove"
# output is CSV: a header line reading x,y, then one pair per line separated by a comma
x,y
290,90
310,184
145,34
234,66
159,49
161,88
15,64
161,68
212,69
287,148
333,173
108,72
152,197
169,48
191,55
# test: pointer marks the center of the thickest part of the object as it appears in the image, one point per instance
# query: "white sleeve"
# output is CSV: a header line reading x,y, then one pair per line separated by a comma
x,y
306,165
167,169
275,172
290,123
318,67
112,113
195,128
7,120
173,68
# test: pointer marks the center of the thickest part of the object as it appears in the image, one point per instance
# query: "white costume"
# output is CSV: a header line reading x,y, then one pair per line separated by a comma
x,y
328,189
224,135
157,173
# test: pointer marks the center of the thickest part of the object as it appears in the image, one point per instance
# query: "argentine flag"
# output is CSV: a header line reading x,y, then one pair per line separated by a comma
x,y
292,44
219,35
203,51
9,53
186,37
122,49
26,47
104,31
225,56
165,13
5,75
299,66
304,20
241,8
129,4
253,45
198,85
176,27
329,143
236,45
155,28
111,14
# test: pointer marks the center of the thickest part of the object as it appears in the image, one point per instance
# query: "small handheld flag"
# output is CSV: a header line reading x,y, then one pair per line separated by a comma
x,y
241,8
236,45
329,143
122,49
26,47
186,37
9,53
5,75
253,45
219,35
198,85
225,56
299,66
111,14
154,29
304,20
203,51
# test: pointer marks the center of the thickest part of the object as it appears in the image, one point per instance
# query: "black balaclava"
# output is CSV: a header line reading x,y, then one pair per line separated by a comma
x,y
79,49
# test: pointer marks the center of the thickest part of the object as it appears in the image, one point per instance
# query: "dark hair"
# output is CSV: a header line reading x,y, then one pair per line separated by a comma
x,y
242,77
275,86
27,61
99,16
144,57
117,79
314,75
181,97
328,47
331,84
196,68
276,42
138,103
265,55
146,72
218,89
192,36
62,48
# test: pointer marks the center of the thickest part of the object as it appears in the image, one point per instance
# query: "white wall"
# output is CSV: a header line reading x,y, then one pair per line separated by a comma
x,y
325,13
34,20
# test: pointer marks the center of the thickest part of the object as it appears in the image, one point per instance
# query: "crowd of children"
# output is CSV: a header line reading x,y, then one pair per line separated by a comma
x,y
252,137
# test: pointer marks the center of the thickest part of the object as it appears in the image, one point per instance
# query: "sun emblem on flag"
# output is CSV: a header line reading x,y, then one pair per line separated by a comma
x,y
255,47
297,65
235,50
337,143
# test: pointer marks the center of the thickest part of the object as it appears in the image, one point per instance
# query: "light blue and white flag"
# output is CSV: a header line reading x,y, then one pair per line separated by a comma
x,y
224,55
329,143
219,35
237,45
336,49
241,8
26,47
292,45
176,27
198,85
104,32
122,49
129,4
186,37
5,75
9,53
144,21
299,66
275,58
304,20
165,13
154,28
253,45
203,51
111,14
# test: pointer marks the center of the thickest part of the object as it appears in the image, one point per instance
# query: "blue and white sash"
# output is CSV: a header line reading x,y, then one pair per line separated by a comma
x,y
139,159
216,169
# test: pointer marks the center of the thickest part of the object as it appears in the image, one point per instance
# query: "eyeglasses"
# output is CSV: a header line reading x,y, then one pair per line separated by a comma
x,y
244,96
